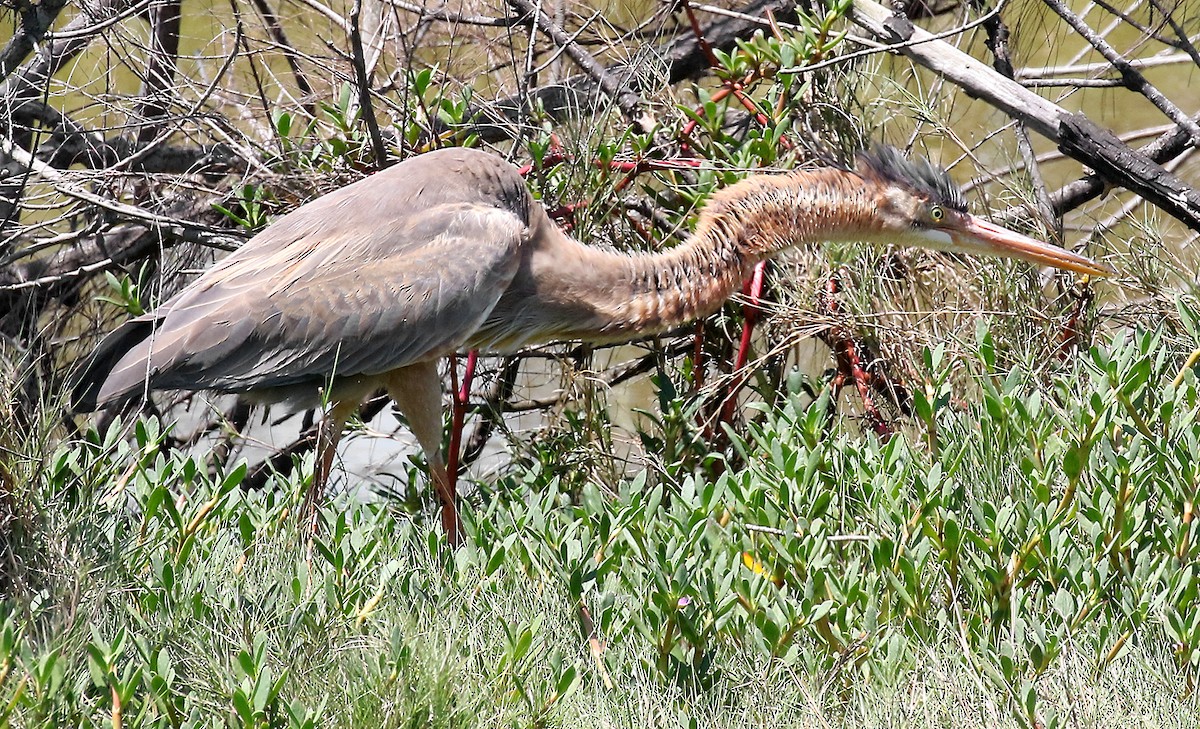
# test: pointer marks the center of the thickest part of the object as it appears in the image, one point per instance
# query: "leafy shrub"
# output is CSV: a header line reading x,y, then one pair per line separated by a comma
x,y
1048,526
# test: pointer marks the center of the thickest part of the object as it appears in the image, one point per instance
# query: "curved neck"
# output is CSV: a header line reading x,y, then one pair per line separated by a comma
x,y
742,225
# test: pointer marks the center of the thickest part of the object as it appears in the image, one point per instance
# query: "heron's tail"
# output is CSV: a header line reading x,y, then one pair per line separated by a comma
x,y
87,383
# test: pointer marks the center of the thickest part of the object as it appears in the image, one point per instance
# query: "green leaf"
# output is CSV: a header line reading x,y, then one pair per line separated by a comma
x,y
1074,461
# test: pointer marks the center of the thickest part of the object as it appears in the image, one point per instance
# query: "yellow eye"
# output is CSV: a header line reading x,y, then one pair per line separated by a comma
x,y
936,214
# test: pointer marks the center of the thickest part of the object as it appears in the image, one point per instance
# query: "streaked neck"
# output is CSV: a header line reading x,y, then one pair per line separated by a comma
x,y
741,225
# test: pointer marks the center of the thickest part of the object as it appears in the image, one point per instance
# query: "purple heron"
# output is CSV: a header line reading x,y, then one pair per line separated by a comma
x,y
369,286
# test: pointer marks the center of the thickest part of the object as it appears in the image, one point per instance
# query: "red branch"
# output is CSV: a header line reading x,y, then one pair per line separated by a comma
x,y
737,88
755,285
753,289
458,411
850,366
564,215
633,168
1071,336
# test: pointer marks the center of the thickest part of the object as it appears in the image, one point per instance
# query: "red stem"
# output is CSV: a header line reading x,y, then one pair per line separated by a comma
x,y
850,366
701,41
458,411
730,87
1071,336
753,289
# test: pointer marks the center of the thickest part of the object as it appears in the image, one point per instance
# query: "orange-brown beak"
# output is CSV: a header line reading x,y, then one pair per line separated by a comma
x,y
976,236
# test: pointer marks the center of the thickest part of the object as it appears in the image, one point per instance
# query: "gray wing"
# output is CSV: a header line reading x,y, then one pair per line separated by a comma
x,y
323,294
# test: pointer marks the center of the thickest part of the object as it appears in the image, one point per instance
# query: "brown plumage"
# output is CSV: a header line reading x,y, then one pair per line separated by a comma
x,y
370,285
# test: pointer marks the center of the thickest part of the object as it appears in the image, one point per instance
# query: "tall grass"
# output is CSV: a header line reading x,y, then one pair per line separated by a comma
x,y
1030,560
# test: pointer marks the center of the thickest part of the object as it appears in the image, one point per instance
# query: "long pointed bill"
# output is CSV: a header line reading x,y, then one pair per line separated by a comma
x,y
979,237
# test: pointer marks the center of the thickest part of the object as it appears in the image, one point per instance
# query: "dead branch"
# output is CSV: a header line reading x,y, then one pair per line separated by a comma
x,y
609,378
30,81
997,41
1184,41
71,144
1133,78
275,29
102,250
1075,134
165,19
165,225
363,82
629,102
445,16
501,392
283,461
36,19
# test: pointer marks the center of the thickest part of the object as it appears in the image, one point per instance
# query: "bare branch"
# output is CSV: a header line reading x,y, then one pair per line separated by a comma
x,y
630,103
275,28
446,16
1184,41
165,19
363,82
36,19
28,83
609,378
173,227
577,95
1075,134
1134,80
328,13
1040,72
998,42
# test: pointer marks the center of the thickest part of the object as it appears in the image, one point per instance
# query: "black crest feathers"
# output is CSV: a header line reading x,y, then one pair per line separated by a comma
x,y
888,163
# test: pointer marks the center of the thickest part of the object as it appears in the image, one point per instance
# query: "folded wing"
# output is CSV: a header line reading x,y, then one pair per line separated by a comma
x,y
314,297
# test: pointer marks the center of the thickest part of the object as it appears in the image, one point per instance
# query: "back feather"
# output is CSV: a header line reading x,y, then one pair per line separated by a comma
x,y
86,382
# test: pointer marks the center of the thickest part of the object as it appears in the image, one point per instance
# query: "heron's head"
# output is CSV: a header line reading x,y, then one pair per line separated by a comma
x,y
918,204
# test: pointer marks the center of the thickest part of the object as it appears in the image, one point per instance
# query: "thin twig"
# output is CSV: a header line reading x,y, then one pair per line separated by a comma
x,y
445,16
364,88
1035,72
502,390
630,103
1145,29
1133,79
997,32
328,12
773,531
1185,42
36,19
609,378
275,28
1075,134
176,227
165,20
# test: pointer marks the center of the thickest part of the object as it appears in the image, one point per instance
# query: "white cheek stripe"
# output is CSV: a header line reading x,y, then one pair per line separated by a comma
x,y
936,239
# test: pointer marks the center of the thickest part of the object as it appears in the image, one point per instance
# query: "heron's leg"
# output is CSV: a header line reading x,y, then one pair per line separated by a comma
x,y
417,390
328,435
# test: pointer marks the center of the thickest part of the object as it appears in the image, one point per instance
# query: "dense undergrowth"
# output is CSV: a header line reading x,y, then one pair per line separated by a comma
x,y
1027,559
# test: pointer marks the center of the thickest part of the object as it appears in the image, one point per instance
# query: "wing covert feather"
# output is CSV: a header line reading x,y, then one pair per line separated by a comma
x,y
332,300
